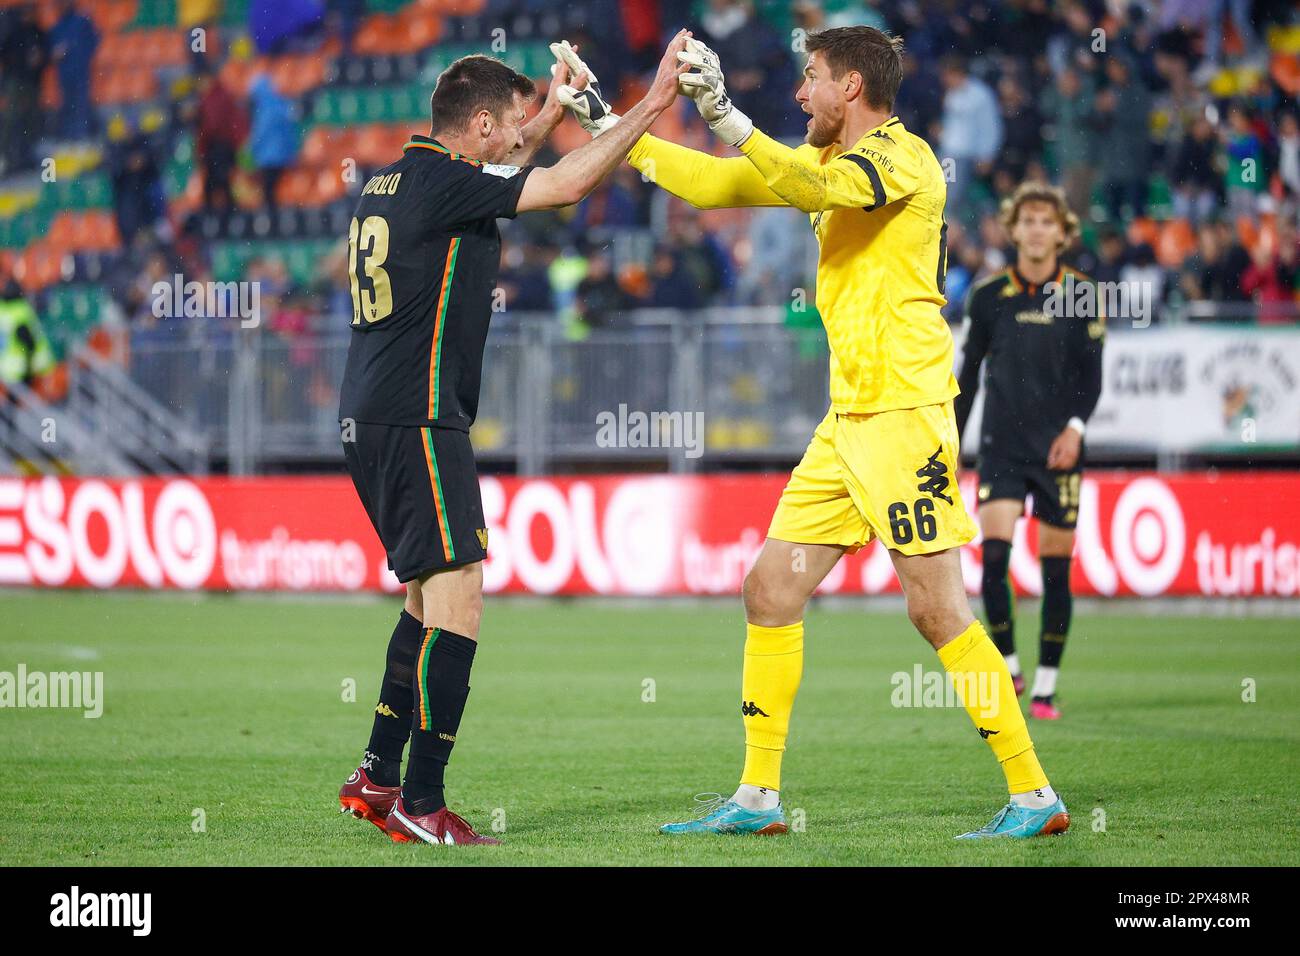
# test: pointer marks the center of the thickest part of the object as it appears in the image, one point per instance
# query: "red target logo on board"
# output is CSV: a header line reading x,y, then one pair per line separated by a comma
x,y
1148,536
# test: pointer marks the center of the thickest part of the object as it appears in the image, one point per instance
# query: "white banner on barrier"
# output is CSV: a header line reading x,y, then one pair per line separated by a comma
x,y
1193,388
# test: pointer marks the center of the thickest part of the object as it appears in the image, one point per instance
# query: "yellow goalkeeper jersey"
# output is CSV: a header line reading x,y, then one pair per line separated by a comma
x,y
877,211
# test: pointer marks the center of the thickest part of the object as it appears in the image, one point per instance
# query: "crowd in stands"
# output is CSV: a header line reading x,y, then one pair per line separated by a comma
x,y
228,139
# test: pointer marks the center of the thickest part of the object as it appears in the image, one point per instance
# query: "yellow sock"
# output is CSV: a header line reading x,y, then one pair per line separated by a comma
x,y
980,676
773,666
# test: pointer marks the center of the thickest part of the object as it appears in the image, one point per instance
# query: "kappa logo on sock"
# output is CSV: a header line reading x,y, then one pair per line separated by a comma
x,y
750,709
383,710
986,734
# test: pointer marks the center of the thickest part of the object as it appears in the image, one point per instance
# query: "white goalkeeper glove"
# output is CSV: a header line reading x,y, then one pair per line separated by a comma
x,y
587,105
704,84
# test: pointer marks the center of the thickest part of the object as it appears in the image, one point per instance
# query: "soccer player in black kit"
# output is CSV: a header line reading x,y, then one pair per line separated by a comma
x,y
1042,382
424,257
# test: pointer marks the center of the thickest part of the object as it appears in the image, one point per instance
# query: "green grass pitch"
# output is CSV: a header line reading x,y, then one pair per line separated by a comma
x,y
235,706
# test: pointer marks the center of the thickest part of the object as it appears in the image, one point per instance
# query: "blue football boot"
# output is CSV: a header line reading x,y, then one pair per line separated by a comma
x,y
719,814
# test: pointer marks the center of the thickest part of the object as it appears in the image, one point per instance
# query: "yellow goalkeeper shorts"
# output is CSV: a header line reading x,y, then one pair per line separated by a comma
x,y
890,475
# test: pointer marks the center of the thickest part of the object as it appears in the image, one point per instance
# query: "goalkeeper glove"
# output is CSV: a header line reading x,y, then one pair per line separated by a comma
x,y
704,84
587,105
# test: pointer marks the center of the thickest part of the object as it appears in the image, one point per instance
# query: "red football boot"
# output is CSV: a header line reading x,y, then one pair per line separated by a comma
x,y
366,800
441,826
1042,708
1018,682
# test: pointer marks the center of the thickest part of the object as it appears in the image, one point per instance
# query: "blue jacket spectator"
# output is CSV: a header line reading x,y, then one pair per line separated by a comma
x,y
274,139
73,42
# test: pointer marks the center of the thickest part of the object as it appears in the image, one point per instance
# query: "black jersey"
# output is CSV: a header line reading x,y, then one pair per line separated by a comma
x,y
424,253
1044,367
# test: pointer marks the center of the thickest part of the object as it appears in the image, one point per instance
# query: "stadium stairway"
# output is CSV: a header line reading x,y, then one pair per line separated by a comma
x,y
108,425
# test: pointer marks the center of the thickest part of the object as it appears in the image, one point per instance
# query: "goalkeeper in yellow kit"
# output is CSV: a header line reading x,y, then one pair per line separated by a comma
x,y
883,461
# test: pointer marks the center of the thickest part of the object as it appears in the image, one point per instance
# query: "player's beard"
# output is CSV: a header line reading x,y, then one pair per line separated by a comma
x,y
823,132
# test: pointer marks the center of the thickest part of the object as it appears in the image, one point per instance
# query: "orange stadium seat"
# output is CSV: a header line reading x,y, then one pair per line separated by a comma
x,y
1144,230
1285,68
455,8
295,75
409,31
111,16
40,265
1176,242
328,186
1247,232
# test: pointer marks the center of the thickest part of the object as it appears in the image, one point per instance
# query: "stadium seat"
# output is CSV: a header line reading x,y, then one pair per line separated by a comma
x,y
1176,241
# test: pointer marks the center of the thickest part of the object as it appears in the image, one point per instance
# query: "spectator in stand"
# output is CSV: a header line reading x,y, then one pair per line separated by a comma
x,y
972,133
1213,273
135,173
617,203
73,42
920,99
1194,178
1023,142
600,297
761,75
25,352
671,286
24,54
344,17
274,139
1074,45
1112,257
1121,121
1271,278
1141,271
703,257
277,26
222,129
1288,157
1243,156
1069,103
1239,11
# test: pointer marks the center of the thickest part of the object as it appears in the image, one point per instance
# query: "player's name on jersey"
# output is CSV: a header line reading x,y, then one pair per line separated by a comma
x,y
382,185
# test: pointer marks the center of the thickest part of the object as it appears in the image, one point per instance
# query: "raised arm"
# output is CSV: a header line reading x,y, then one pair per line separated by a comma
x,y
704,181
851,181
578,173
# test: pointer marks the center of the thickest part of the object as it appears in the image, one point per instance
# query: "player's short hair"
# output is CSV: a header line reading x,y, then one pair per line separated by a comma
x,y
876,55
1032,191
471,84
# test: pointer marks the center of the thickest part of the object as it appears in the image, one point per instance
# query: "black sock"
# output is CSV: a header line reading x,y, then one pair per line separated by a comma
x,y
997,594
1058,606
392,726
441,685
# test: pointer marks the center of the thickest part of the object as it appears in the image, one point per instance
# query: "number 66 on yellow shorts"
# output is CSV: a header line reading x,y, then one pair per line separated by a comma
x,y
891,475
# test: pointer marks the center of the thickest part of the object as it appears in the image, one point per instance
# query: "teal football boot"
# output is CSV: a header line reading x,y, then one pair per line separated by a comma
x,y
1020,822
719,814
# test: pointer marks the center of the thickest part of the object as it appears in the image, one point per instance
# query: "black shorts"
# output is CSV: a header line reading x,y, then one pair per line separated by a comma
x,y
1056,493
420,488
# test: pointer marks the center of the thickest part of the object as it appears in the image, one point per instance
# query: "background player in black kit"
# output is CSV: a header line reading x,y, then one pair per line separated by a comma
x,y
424,255
1042,382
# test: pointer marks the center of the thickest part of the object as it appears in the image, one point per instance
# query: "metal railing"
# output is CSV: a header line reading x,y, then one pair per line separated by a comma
x,y
258,399
200,394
